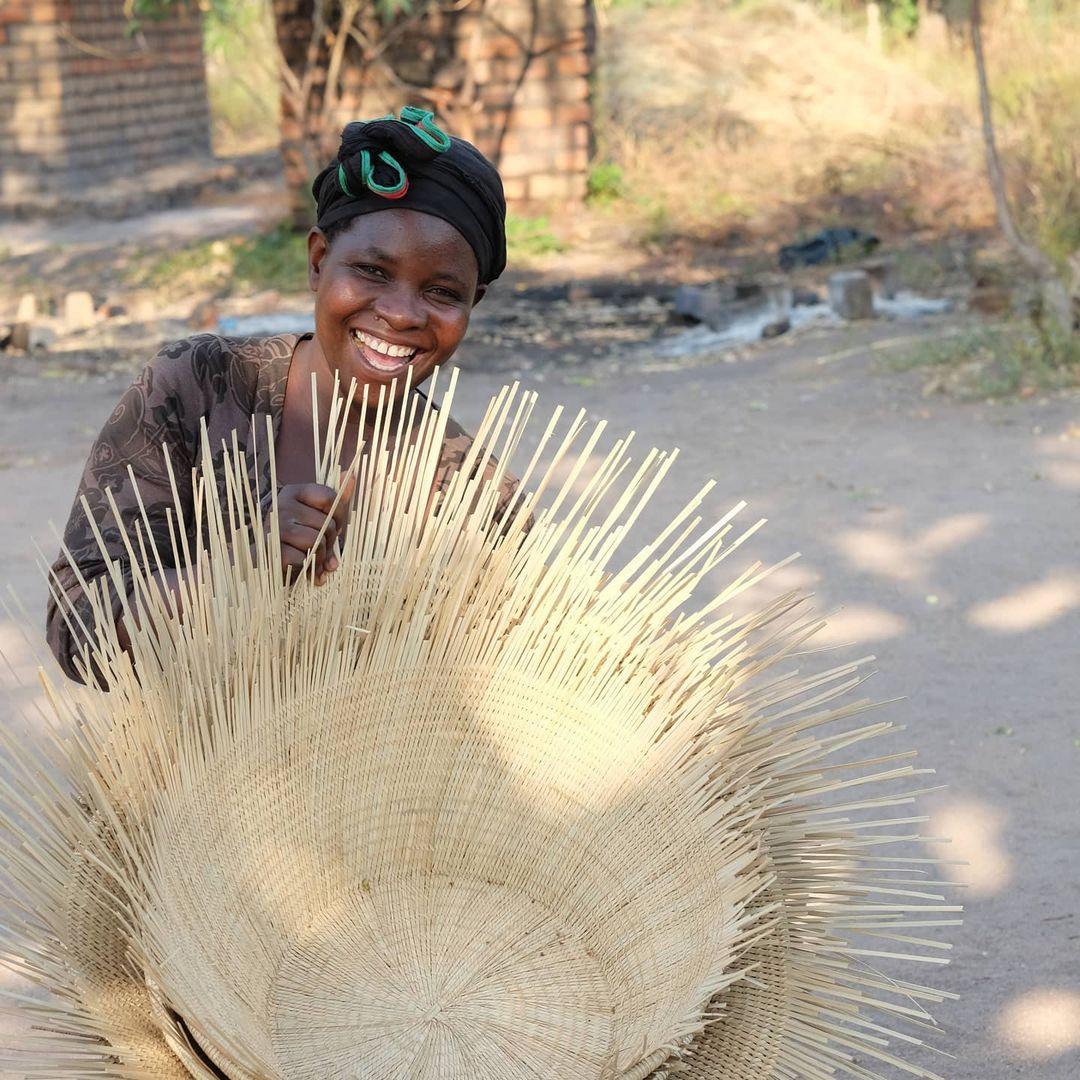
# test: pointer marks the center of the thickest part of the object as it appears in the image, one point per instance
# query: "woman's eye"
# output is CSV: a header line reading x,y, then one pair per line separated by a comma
x,y
367,268
446,294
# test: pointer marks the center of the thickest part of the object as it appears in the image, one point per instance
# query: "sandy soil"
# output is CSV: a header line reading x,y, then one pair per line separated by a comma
x,y
946,534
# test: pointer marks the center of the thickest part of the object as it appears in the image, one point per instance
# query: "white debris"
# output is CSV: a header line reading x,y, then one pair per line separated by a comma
x,y
909,305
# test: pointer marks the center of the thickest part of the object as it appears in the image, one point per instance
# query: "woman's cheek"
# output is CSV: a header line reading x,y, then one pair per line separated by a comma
x,y
343,296
452,330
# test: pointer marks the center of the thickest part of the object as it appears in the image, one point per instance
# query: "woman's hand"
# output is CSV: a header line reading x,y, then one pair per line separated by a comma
x,y
303,509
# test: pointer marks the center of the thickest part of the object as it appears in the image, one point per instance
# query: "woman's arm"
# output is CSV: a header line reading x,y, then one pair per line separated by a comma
x,y
158,414
156,425
456,448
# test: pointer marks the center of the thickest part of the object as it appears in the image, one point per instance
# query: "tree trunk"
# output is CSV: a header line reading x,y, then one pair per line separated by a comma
x,y
1056,299
303,57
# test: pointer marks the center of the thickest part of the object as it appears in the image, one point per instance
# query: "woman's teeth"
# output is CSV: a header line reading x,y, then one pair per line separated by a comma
x,y
382,353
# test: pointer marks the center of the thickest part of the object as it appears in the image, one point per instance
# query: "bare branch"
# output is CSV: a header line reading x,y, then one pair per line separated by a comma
x,y
332,96
65,32
311,66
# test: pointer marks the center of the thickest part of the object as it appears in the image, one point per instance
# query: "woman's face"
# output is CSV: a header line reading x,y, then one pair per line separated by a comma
x,y
394,291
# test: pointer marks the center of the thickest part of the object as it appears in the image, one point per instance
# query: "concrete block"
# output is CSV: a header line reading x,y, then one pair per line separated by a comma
x,y
79,311
27,311
850,294
704,304
720,306
31,337
882,276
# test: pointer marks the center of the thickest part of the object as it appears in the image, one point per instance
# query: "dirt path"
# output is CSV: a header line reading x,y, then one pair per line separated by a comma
x,y
950,536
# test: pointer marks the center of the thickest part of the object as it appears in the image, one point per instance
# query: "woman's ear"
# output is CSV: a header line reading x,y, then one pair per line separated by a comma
x,y
317,248
481,292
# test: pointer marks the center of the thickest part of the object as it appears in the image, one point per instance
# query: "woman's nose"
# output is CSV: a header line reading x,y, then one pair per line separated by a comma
x,y
400,308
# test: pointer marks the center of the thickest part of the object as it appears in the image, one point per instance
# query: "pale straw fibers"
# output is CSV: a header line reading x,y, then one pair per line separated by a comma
x,y
490,803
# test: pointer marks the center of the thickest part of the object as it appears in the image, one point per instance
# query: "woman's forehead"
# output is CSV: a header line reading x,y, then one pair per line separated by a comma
x,y
404,232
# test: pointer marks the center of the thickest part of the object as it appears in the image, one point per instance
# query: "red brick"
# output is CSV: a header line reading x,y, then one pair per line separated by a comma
x,y
570,90
500,47
547,187
12,11
570,63
572,161
573,114
515,188
538,117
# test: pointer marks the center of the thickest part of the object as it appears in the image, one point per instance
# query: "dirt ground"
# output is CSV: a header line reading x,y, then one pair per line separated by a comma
x,y
946,535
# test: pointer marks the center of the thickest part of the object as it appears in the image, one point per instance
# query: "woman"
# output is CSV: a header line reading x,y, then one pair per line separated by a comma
x,y
410,232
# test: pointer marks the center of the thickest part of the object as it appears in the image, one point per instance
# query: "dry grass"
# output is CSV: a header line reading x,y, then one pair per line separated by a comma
x,y
775,115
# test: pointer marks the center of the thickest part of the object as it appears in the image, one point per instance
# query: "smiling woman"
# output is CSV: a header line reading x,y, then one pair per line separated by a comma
x,y
393,291
410,232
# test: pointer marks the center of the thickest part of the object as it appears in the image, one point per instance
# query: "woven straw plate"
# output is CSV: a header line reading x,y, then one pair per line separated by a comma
x,y
481,806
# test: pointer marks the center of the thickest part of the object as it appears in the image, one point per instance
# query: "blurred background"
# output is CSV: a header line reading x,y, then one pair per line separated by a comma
x,y
829,248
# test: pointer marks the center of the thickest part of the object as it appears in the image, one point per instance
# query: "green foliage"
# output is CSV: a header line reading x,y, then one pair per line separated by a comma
x,y
606,182
272,260
228,266
531,236
227,10
139,11
656,225
389,9
996,361
643,3
902,16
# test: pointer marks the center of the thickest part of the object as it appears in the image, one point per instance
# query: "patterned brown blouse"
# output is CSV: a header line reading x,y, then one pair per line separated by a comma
x,y
227,382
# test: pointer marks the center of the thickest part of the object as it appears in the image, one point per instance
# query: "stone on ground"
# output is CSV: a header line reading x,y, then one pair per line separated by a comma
x,y
79,311
850,294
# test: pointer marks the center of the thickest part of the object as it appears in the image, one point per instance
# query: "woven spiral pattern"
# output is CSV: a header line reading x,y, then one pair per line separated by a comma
x,y
490,803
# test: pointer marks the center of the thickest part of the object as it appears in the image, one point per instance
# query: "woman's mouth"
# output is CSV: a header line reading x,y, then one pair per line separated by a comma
x,y
381,354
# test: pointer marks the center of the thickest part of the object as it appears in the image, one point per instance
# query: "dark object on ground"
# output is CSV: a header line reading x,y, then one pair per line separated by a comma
x,y
775,329
850,294
803,297
612,290
882,273
828,246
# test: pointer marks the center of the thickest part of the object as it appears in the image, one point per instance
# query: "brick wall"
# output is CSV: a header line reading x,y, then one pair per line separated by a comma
x,y
531,63
82,104
511,76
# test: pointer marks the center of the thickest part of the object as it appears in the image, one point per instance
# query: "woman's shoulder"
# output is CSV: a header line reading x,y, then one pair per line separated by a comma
x,y
245,372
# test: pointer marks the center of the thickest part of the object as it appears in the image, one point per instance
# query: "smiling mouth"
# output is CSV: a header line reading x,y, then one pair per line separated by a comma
x,y
381,354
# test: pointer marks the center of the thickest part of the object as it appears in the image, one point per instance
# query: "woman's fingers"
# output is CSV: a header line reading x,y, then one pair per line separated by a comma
x,y
307,523
292,559
316,496
306,539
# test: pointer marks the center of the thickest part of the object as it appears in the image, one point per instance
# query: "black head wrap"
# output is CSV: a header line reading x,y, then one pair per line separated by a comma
x,y
412,164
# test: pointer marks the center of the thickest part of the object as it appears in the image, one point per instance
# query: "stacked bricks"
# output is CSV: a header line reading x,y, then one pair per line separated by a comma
x,y
535,112
83,103
512,76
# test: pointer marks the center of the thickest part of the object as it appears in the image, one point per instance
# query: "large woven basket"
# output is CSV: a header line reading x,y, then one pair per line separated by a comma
x,y
496,801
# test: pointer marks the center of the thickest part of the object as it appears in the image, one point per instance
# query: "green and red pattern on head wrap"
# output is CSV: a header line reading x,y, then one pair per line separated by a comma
x,y
409,163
